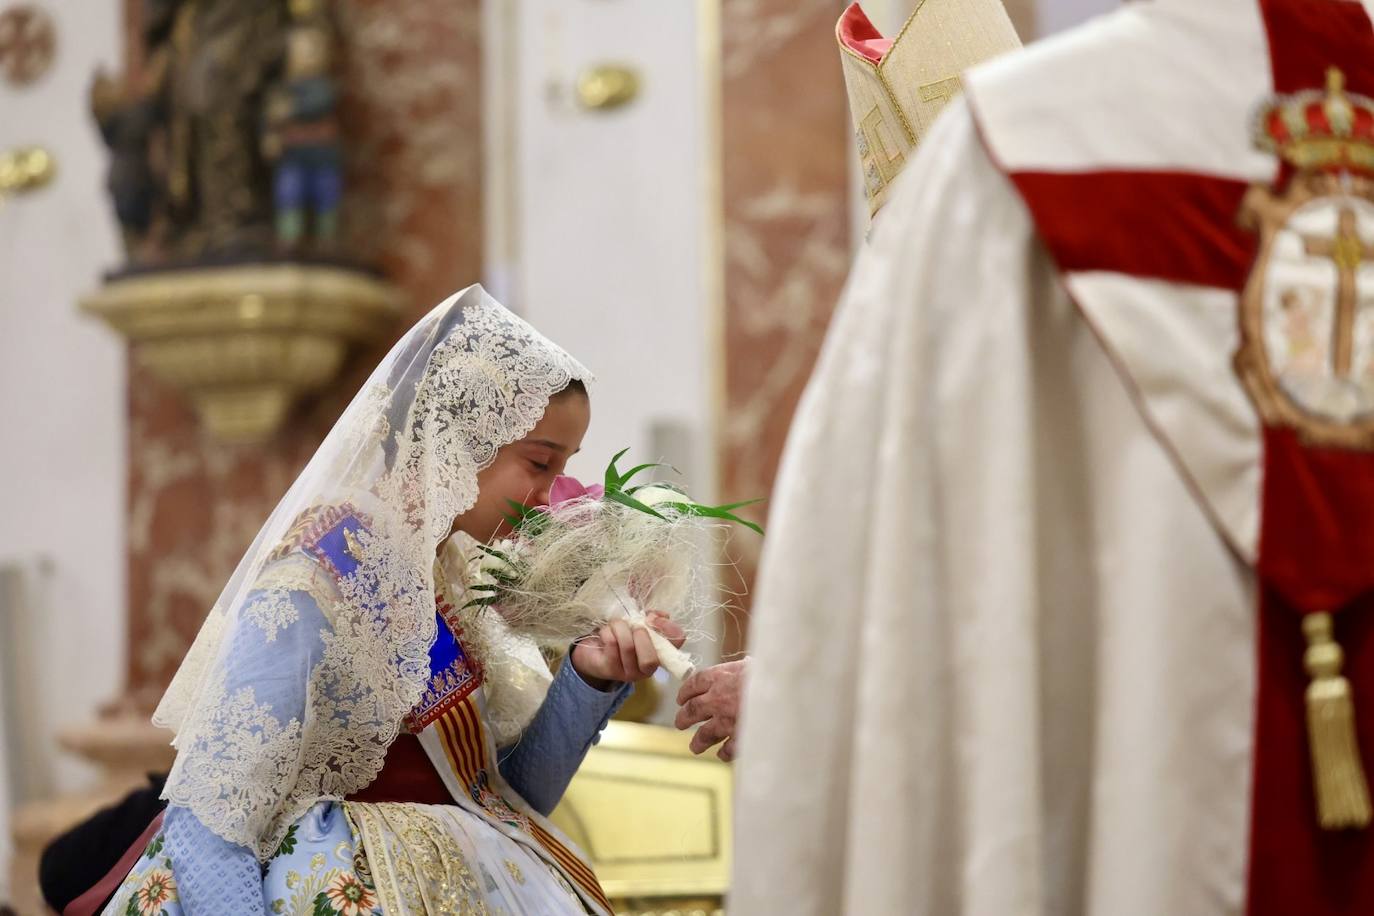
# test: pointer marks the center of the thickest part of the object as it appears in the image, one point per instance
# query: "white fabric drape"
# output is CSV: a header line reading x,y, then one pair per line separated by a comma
x,y
1003,664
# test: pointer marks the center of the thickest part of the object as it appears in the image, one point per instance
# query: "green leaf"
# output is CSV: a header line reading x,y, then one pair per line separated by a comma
x,y
612,472
728,507
519,513
526,519
519,508
716,512
625,499
628,475
323,907
493,552
288,843
618,492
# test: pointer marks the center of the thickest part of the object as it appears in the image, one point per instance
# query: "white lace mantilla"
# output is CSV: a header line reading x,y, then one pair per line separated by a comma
x,y
299,680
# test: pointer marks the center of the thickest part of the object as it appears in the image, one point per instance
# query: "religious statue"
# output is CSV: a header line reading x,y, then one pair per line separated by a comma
x,y
224,144
301,137
132,116
127,121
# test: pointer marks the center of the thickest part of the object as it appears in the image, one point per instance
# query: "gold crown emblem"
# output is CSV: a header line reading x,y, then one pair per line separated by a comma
x,y
1316,130
897,86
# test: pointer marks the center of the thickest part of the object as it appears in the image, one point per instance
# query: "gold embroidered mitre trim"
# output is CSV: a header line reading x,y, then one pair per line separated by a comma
x,y
897,87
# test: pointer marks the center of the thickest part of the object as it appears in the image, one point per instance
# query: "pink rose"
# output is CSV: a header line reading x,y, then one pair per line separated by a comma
x,y
566,489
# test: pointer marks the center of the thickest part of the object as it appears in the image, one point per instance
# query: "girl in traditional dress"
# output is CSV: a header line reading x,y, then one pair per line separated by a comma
x,y
352,737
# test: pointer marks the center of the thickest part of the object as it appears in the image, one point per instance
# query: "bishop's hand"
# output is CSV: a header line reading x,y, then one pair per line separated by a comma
x,y
711,697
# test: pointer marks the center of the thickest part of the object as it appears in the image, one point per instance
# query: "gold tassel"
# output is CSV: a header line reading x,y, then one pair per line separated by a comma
x,y
1337,774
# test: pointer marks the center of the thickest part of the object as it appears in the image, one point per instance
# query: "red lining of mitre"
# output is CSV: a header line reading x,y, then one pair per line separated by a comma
x,y
858,35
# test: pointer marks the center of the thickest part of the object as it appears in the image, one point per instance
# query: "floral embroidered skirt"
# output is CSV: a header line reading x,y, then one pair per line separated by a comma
x,y
360,859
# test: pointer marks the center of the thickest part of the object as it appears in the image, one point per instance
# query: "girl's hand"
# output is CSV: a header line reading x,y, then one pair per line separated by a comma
x,y
621,652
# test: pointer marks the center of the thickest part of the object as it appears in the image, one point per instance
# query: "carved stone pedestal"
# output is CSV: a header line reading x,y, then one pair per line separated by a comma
x,y
245,343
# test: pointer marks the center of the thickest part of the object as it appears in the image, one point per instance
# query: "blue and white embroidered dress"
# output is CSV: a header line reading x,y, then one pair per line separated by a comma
x,y
337,720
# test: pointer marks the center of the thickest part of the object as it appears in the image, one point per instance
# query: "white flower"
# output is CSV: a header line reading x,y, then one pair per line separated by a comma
x,y
489,568
492,567
656,496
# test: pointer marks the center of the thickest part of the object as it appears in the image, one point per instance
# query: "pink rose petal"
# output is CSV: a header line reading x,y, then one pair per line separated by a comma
x,y
565,489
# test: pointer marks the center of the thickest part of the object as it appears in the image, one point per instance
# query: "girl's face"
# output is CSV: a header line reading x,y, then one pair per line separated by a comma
x,y
523,471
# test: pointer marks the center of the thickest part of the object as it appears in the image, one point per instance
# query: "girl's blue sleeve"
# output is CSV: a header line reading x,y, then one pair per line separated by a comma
x,y
214,875
542,763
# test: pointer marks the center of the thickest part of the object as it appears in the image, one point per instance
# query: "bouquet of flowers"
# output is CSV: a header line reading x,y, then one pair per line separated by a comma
x,y
599,552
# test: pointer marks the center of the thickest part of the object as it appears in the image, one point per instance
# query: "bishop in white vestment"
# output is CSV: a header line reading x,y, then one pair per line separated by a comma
x,y
1067,593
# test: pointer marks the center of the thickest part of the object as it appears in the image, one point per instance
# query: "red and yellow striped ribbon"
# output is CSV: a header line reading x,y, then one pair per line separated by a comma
x,y
464,741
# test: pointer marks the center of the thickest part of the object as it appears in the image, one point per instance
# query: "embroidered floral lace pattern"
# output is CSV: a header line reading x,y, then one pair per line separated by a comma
x,y
298,572
272,610
467,380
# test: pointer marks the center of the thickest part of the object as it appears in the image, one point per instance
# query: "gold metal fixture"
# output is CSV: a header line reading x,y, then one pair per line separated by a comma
x,y
25,169
607,86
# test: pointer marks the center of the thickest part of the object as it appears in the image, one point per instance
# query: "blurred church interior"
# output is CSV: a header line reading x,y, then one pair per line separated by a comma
x,y
665,187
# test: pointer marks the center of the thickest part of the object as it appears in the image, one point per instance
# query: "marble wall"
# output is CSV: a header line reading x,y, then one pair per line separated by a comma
x,y
413,115
787,229
788,220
